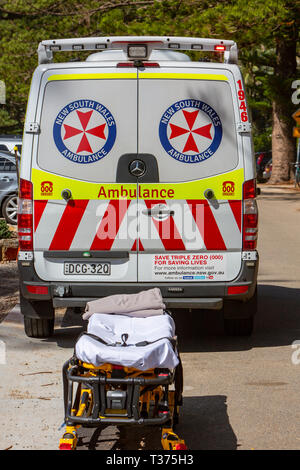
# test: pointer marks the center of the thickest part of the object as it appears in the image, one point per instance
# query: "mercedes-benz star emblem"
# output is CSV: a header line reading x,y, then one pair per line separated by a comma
x,y
137,168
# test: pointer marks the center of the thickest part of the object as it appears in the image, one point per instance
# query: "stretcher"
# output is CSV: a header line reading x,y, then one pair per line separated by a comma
x,y
124,371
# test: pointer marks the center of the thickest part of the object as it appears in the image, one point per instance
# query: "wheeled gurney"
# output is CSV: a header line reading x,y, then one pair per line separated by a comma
x,y
124,371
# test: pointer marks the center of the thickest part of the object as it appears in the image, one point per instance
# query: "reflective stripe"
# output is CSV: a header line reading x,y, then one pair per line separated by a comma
x,y
183,76
110,224
187,225
68,225
236,207
39,207
116,225
187,190
207,226
167,230
48,224
87,228
92,76
147,232
227,225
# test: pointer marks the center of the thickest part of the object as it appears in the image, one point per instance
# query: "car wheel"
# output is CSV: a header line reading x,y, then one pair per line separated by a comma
x,y
34,324
239,316
39,327
10,210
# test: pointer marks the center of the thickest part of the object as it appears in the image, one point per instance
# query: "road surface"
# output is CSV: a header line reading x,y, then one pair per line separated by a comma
x,y
239,393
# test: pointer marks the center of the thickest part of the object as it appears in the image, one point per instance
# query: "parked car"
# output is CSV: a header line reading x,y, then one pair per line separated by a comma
x,y
262,158
8,143
8,187
268,170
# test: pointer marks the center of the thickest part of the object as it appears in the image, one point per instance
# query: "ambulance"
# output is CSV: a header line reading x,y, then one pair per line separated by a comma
x,y
138,171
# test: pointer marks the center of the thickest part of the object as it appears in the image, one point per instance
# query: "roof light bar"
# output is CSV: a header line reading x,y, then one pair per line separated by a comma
x,y
77,47
197,47
55,48
135,46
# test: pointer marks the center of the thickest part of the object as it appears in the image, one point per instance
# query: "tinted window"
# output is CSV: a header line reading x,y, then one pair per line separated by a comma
x,y
3,147
6,165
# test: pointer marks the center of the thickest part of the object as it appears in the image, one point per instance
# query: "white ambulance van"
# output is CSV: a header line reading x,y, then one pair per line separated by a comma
x,y
138,171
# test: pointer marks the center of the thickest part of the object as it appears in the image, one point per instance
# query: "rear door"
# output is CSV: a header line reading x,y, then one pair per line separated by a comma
x,y
88,120
190,218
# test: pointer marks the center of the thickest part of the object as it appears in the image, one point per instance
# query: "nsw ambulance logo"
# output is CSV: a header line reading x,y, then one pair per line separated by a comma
x,y
190,131
84,131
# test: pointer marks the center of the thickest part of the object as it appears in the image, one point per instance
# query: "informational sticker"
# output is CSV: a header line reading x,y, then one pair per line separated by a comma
x,y
190,131
189,267
84,131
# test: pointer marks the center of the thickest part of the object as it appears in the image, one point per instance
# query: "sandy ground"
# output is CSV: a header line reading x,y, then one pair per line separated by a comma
x,y
9,287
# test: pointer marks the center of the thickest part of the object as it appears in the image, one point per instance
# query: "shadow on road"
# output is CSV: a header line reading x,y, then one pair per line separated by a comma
x,y
277,324
203,424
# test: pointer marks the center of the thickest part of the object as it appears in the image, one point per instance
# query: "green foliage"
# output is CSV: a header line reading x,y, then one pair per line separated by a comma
x,y
4,230
256,25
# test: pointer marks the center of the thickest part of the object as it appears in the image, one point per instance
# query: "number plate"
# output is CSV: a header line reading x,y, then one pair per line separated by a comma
x,y
102,269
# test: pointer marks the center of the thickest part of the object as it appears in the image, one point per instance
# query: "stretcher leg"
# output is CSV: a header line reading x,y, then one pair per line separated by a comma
x,y
171,441
70,438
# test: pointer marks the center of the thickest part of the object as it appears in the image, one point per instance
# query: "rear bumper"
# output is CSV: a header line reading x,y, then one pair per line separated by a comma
x,y
176,295
171,302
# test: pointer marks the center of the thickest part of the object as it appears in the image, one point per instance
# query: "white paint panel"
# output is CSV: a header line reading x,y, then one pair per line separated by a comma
x,y
178,267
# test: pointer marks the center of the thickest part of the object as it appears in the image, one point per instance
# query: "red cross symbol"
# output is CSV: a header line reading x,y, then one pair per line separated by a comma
x,y
204,131
98,131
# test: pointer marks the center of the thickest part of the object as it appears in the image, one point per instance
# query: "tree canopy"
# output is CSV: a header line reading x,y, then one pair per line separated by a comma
x,y
262,29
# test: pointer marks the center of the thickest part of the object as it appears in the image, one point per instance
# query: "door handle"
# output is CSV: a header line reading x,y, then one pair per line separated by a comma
x,y
152,212
6,179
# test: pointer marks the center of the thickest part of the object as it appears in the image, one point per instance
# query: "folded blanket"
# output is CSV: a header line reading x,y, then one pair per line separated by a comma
x,y
143,304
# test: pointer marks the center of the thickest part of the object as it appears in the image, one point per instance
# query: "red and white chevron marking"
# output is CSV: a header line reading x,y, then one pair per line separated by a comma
x,y
125,224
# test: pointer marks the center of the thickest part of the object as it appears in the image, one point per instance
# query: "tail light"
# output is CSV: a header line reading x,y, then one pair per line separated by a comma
x,y
250,215
25,217
234,290
40,290
220,48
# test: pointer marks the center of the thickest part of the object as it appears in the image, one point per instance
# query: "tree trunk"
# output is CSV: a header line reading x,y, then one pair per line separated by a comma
x,y
283,142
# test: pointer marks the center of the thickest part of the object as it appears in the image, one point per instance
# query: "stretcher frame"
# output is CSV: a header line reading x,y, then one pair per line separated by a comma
x,y
148,400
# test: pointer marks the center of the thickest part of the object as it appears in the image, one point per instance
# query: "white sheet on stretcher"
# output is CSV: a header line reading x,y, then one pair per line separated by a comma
x,y
110,329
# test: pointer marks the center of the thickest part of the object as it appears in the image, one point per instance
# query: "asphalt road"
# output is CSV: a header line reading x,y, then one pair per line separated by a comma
x,y
239,393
